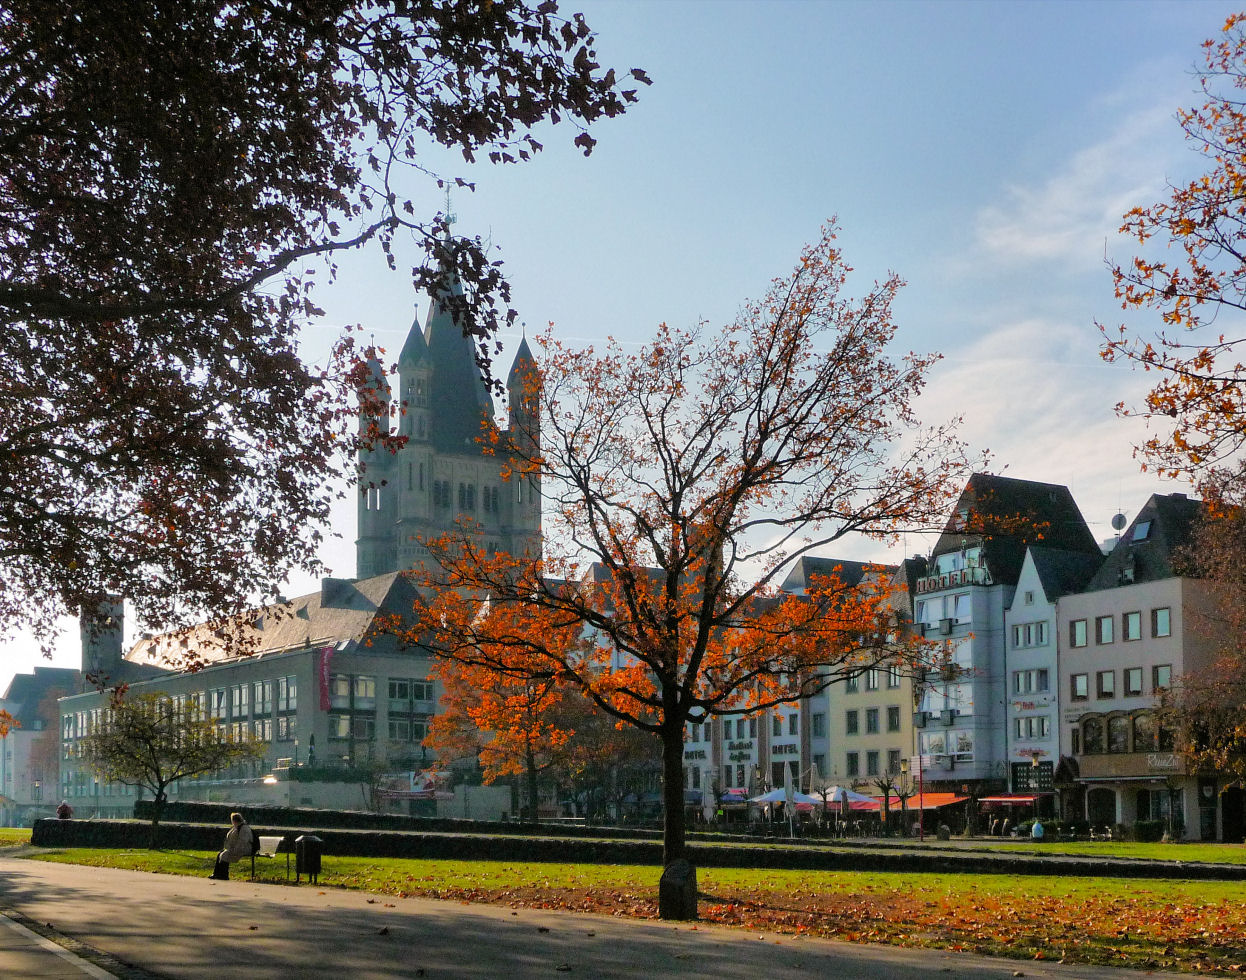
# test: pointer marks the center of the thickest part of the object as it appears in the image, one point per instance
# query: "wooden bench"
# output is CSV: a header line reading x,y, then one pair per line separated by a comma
x,y
268,847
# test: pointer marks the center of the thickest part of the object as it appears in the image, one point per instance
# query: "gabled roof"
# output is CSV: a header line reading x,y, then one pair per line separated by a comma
x,y
343,611
1063,572
849,572
1146,551
1007,515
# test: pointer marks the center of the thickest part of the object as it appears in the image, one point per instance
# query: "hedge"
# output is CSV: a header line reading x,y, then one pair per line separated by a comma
x,y
509,847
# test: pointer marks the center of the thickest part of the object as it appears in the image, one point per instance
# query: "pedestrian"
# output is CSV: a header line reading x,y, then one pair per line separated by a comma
x,y
64,811
238,840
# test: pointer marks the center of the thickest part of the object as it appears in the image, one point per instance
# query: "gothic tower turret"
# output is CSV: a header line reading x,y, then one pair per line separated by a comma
x,y
374,546
523,404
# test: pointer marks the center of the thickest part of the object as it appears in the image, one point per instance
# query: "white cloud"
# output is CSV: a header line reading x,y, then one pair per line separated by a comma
x,y
1069,216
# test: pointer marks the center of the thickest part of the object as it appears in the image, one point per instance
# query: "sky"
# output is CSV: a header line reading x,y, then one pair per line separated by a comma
x,y
983,151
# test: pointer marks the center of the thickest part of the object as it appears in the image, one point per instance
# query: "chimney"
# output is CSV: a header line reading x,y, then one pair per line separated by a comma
x,y
102,634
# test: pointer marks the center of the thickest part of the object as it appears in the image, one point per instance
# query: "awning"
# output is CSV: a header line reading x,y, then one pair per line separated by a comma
x,y
929,801
1013,799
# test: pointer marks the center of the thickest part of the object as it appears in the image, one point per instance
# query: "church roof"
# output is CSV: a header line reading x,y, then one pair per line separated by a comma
x,y
523,362
414,350
458,397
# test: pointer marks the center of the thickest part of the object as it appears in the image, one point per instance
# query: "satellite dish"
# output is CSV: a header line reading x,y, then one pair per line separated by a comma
x,y
1119,522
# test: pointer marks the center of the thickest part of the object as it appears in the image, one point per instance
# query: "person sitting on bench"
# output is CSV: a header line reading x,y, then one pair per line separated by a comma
x,y
239,843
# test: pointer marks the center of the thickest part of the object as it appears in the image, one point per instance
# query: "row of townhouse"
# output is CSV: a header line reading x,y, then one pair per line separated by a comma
x,y
1051,657
1051,654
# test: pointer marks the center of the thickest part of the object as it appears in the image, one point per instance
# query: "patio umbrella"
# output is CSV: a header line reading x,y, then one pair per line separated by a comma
x,y
780,796
841,794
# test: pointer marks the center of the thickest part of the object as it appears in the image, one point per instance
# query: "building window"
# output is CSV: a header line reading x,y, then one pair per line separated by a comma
x,y
1131,626
893,677
871,763
852,683
1161,677
1092,736
1077,633
793,723
1033,726
819,725
1161,622
851,722
871,721
1142,531
1029,635
819,763
1075,741
1105,684
740,726
1118,734
776,728
1144,733
1029,681
752,728
1103,629
853,764
1079,687
893,760
871,679
893,718
1133,681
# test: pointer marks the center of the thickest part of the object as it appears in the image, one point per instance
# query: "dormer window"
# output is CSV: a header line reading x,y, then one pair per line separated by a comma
x,y
1142,531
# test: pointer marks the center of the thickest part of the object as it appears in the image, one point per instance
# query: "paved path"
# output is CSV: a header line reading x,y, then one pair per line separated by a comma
x,y
163,926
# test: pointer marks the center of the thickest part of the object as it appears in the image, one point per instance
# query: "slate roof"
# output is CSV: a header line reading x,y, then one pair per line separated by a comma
x,y
1147,556
343,611
522,363
1049,516
850,572
1063,572
458,397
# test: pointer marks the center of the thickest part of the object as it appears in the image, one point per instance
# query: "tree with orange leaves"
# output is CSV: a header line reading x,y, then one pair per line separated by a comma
x,y
680,483
1202,383
511,723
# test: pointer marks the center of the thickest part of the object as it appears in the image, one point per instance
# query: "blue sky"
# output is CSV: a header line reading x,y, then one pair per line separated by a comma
x,y
983,151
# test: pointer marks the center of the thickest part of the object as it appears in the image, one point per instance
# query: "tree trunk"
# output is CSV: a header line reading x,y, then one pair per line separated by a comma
x,y
673,821
532,784
157,806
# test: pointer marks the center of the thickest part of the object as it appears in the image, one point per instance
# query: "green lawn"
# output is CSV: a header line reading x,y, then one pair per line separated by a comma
x,y
1146,924
14,835
1212,853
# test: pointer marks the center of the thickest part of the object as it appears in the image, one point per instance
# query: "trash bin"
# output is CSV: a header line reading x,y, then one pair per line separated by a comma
x,y
307,851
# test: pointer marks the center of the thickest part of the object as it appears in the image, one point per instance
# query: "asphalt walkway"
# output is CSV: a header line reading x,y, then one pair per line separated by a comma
x,y
140,926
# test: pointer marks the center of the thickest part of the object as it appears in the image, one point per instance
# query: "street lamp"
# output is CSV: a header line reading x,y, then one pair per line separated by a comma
x,y
921,800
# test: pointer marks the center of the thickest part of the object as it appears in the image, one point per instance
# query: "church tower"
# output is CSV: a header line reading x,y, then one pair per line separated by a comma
x,y
449,471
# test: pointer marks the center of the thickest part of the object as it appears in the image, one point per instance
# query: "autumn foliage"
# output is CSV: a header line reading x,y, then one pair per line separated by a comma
x,y
174,180
1198,291
679,484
